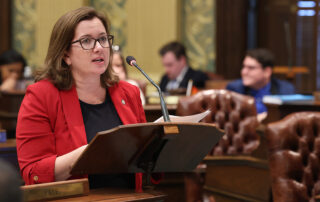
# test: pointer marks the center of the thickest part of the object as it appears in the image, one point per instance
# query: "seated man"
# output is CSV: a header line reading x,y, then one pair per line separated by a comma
x,y
178,72
256,78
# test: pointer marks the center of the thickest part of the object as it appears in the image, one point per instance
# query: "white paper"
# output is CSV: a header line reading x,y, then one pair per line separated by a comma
x,y
190,119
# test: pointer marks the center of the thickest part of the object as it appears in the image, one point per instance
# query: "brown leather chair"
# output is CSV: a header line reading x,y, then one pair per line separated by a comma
x,y
235,113
241,176
294,152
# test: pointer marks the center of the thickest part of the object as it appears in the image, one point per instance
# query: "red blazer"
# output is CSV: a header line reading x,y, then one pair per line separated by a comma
x,y
50,124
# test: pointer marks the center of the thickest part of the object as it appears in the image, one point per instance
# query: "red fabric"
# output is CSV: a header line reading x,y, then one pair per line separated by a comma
x,y
157,177
50,124
139,182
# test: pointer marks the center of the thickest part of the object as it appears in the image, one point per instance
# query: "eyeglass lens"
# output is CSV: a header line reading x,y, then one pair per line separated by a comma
x,y
89,43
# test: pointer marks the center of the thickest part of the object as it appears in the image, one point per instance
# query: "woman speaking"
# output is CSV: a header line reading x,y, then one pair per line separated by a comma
x,y
74,97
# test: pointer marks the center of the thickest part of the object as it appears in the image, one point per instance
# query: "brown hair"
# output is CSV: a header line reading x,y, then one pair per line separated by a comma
x,y
55,68
123,62
263,56
176,47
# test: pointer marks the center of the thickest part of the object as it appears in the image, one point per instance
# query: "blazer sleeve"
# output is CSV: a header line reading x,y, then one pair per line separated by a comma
x,y
35,138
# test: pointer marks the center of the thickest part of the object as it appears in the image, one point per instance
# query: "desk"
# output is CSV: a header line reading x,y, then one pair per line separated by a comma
x,y
78,190
276,112
117,195
153,111
237,178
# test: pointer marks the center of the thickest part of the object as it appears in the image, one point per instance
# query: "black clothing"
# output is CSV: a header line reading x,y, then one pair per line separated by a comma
x,y
198,77
98,118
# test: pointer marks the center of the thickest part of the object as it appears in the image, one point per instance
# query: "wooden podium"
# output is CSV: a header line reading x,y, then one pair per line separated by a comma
x,y
147,148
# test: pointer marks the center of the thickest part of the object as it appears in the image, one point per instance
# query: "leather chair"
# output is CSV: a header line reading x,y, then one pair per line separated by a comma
x,y
233,172
235,113
294,152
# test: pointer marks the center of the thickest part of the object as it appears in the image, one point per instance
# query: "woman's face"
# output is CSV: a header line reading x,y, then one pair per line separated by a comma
x,y
13,70
93,62
118,67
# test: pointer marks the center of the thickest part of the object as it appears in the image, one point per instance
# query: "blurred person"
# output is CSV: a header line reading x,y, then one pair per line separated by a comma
x,y
12,66
119,67
9,183
74,97
177,70
257,80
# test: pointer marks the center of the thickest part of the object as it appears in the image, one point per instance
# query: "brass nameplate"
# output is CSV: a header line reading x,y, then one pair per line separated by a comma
x,y
171,129
55,190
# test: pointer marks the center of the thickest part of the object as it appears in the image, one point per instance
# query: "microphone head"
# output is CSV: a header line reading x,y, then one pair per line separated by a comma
x,y
130,60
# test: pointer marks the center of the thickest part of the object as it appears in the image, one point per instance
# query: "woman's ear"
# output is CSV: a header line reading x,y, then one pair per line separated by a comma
x,y
67,59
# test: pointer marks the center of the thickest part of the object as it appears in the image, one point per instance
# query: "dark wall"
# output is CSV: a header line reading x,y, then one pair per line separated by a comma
x,y
5,19
231,36
291,37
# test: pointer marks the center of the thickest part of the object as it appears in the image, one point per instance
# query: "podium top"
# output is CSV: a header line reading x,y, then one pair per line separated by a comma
x,y
169,147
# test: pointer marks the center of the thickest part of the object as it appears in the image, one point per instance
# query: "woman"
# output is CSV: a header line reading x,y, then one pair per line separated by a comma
x,y
75,96
119,67
12,65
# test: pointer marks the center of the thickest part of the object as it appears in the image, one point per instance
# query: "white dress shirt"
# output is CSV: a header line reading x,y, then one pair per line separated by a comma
x,y
174,84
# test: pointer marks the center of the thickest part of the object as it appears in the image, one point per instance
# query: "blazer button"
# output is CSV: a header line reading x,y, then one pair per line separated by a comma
x,y
35,178
123,102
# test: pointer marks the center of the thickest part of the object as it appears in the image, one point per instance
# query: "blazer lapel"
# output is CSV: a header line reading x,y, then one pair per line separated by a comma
x,y
186,78
73,115
121,103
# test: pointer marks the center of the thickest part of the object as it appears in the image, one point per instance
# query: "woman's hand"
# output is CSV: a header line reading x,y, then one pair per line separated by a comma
x,y
65,162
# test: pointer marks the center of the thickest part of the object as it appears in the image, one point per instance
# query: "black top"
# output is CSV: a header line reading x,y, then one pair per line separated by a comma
x,y
98,118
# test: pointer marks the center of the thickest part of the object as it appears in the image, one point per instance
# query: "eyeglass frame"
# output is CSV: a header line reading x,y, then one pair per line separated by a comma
x,y
109,38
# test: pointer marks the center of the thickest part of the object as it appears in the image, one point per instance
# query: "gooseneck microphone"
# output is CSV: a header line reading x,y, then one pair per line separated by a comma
x,y
132,62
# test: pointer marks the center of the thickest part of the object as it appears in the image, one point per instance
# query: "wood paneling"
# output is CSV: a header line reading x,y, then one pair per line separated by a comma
x,y
271,32
298,46
231,36
5,19
237,178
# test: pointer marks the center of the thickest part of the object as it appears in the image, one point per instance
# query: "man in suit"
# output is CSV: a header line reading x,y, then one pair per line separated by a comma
x,y
256,78
177,71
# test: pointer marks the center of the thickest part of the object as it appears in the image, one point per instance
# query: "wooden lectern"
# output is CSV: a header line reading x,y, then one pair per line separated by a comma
x,y
147,148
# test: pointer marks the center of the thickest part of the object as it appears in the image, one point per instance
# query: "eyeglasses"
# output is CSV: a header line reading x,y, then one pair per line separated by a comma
x,y
89,43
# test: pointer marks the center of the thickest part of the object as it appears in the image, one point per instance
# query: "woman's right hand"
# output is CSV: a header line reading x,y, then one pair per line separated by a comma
x,y
64,163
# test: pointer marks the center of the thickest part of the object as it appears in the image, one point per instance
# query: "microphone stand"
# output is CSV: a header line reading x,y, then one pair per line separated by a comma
x,y
164,109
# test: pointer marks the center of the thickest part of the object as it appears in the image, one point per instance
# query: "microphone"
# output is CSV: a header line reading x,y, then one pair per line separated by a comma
x,y
132,62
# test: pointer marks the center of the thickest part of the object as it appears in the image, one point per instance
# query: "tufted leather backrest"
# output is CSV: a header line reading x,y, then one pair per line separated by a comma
x,y
294,152
235,113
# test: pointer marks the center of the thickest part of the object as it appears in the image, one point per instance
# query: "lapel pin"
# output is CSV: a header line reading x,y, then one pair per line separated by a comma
x,y
123,102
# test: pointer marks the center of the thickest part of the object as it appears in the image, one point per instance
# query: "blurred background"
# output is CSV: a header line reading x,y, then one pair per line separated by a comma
x,y
216,33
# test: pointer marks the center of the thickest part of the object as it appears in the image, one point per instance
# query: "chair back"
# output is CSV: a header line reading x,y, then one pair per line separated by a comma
x,y
294,152
234,113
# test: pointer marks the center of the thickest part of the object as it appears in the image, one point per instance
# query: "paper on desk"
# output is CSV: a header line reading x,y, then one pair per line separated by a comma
x,y
192,118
